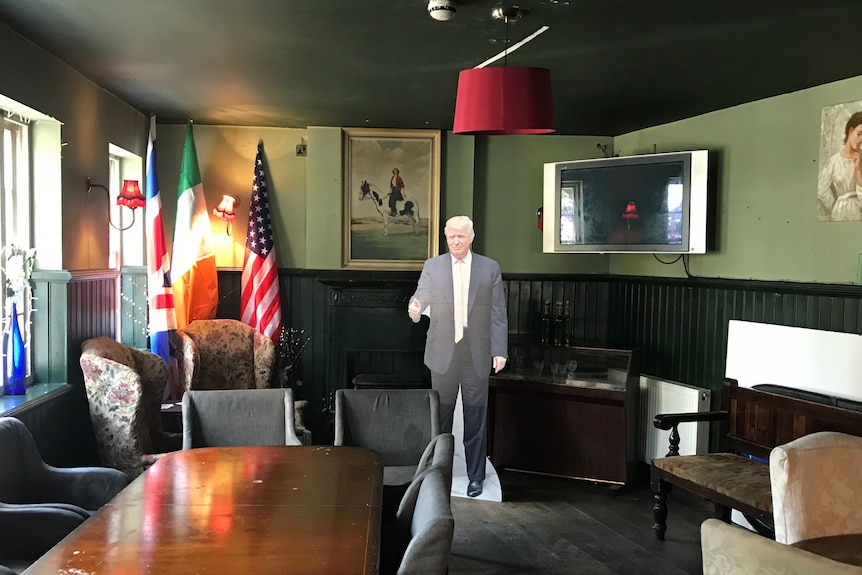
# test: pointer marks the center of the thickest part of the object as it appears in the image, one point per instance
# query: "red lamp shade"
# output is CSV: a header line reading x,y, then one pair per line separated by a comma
x,y
631,212
225,209
504,100
131,196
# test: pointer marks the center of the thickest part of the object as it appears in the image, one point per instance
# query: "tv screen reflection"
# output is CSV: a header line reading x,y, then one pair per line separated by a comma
x,y
636,204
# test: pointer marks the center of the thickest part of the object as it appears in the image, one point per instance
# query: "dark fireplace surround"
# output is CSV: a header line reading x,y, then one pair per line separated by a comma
x,y
368,331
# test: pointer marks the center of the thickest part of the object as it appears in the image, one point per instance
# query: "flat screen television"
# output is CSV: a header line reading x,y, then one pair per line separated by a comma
x,y
654,203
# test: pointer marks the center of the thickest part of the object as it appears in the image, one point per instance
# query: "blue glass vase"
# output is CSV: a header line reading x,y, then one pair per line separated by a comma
x,y
16,373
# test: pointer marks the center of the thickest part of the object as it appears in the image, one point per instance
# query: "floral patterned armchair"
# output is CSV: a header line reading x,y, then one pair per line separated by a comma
x,y
124,390
224,354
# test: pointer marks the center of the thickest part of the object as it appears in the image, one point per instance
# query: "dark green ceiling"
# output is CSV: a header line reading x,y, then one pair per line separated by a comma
x,y
616,65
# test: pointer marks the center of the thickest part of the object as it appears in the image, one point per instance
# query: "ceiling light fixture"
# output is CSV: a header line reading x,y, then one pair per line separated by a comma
x,y
442,10
505,100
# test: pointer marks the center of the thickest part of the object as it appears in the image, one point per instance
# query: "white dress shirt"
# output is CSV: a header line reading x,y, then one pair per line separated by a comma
x,y
461,287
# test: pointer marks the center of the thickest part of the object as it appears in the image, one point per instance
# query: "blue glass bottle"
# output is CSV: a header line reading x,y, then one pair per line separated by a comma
x,y
16,373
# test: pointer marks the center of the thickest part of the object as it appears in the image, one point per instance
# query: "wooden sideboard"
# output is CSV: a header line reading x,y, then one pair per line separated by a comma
x,y
585,427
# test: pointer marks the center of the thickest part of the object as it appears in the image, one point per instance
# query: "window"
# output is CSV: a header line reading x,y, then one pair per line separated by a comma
x,y
127,247
15,205
15,212
115,240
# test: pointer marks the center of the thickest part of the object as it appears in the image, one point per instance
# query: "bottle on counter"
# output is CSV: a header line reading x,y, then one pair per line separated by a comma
x,y
567,326
545,326
558,323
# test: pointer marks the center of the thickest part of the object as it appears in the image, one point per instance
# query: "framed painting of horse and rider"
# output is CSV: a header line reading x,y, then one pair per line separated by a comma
x,y
391,198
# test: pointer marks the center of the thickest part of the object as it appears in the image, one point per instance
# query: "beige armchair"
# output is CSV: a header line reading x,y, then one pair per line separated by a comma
x,y
728,549
816,487
224,354
124,391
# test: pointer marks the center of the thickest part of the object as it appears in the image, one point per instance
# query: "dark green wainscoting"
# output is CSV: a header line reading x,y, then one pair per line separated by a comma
x,y
357,321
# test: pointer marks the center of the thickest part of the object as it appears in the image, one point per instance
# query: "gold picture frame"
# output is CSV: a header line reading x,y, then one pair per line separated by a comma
x,y
390,172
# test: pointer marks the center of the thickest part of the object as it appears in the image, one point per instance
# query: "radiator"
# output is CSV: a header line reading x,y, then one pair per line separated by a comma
x,y
665,396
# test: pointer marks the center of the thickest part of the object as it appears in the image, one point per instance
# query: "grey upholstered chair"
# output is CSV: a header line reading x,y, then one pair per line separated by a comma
x,y
40,504
235,417
397,423
439,454
420,539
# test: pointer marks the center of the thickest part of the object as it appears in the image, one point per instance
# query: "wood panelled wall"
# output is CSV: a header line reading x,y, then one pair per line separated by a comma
x,y
680,324
92,312
60,427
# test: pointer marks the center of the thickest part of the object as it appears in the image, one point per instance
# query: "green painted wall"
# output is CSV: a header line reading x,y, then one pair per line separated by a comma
x,y
768,150
457,183
325,201
226,156
497,181
91,118
509,171
767,209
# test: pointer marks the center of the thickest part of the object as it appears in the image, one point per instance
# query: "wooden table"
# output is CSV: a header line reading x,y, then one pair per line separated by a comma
x,y
236,510
841,548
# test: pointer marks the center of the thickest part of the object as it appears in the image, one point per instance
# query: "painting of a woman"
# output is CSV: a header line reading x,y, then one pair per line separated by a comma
x,y
839,183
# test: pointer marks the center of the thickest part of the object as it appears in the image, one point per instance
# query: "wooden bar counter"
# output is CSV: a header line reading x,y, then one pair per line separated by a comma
x,y
585,428
261,510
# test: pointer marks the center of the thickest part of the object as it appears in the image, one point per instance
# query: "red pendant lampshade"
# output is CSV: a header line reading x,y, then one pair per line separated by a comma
x,y
131,196
504,100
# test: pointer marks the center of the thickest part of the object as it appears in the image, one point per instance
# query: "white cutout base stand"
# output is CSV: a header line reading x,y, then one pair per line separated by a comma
x,y
491,489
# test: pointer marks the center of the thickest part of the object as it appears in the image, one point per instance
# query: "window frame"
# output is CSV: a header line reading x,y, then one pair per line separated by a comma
x,y
16,163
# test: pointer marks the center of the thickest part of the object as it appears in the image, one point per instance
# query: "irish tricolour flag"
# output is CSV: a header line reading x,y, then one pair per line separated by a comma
x,y
193,269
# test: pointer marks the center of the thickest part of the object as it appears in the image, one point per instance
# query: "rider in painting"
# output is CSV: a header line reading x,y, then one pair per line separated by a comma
x,y
396,187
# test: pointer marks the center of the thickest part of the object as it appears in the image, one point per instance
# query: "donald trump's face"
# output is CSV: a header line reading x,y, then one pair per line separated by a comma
x,y
459,241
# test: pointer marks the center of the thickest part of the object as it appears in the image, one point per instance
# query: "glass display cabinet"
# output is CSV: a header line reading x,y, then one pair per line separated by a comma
x,y
569,411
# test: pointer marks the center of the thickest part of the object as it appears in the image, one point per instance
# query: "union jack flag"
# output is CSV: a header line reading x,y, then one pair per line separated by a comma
x,y
160,298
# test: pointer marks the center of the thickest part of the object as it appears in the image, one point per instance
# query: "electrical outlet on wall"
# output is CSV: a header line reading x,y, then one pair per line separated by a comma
x,y
301,150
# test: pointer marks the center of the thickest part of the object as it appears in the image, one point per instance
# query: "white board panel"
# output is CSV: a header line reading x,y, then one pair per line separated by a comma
x,y
816,360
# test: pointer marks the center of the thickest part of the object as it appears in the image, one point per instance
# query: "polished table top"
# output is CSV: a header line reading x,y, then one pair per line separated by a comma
x,y
236,510
841,548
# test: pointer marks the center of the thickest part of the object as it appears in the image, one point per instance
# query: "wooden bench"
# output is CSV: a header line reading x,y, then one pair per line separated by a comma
x,y
737,477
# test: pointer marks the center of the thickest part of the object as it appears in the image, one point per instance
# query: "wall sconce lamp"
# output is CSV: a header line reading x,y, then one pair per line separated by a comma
x,y
130,196
225,209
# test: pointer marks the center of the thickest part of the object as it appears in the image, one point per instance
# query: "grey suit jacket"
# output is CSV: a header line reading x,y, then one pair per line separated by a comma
x,y
487,323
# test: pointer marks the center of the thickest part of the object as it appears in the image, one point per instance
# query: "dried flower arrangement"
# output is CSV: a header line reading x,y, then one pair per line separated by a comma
x,y
288,356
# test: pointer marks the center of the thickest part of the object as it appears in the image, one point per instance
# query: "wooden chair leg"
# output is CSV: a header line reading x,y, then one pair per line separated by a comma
x,y
661,488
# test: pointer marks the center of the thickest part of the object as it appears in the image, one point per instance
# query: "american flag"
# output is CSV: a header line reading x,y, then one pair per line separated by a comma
x,y
260,303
